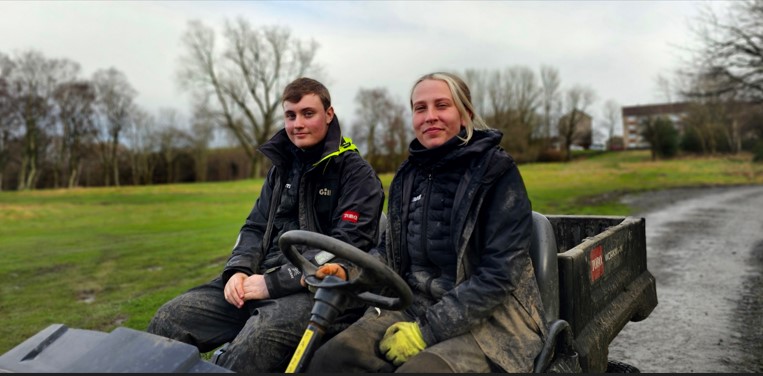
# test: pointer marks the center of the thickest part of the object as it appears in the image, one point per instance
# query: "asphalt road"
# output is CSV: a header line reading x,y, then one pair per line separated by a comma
x,y
705,249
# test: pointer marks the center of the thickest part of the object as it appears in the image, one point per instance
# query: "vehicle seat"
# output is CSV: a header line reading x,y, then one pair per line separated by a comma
x,y
543,254
382,227
559,347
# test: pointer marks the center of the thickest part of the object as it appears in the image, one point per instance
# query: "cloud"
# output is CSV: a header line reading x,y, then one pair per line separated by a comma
x,y
615,47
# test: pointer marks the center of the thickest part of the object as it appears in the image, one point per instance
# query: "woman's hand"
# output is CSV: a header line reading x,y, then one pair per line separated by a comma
x,y
402,341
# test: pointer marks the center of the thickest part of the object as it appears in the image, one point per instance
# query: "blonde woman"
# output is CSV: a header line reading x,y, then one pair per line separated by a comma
x,y
459,225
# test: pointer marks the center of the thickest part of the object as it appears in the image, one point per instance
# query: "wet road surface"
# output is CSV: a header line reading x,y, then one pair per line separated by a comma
x,y
705,249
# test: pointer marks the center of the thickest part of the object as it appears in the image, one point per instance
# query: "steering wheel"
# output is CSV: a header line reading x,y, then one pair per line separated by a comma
x,y
373,273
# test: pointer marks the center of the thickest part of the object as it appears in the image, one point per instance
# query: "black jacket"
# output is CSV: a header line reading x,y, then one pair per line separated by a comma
x,y
495,296
340,195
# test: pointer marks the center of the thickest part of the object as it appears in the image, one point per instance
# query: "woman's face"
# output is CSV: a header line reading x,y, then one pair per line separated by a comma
x,y
435,116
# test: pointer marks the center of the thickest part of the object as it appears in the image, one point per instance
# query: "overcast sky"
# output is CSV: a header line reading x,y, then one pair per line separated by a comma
x,y
615,47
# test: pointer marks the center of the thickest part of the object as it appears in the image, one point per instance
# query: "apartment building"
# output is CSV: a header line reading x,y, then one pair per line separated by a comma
x,y
633,115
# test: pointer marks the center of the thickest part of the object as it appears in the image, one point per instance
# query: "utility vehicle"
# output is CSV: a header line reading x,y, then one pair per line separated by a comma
x,y
591,271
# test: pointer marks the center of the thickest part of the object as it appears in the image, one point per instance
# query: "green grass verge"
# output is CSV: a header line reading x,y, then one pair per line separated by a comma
x,y
99,258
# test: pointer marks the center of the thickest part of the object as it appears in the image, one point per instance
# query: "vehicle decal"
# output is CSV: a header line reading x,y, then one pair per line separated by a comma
x,y
613,253
597,264
300,351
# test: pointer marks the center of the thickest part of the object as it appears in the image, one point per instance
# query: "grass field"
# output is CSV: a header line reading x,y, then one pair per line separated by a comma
x,y
98,258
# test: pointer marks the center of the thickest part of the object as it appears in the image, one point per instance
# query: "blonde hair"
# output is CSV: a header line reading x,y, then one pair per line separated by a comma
x,y
461,96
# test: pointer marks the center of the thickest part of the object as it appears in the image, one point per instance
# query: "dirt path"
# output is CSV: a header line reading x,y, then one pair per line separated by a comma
x,y
705,248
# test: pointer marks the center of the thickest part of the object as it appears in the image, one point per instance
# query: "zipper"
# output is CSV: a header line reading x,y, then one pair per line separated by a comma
x,y
274,201
309,199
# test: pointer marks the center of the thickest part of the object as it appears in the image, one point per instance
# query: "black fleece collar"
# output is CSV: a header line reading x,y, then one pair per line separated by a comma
x,y
280,150
453,148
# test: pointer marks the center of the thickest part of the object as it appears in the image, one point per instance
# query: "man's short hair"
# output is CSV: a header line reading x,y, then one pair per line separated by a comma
x,y
304,86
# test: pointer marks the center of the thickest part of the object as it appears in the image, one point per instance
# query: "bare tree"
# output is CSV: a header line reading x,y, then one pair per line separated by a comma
x,y
202,133
612,117
114,103
731,49
477,82
143,140
398,136
173,138
8,123
664,88
371,113
577,100
550,98
31,82
499,100
509,100
713,116
525,93
246,79
709,121
28,109
75,101
750,120
380,128
63,72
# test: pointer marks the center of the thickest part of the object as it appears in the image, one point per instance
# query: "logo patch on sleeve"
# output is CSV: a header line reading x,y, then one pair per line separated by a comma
x,y
350,216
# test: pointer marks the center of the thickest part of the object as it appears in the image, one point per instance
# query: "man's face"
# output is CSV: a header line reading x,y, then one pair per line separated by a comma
x,y
306,121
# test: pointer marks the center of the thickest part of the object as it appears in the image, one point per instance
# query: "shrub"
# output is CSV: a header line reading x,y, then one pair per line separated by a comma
x,y
551,155
757,152
690,142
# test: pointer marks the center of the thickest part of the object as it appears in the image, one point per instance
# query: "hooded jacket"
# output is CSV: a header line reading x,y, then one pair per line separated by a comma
x,y
339,195
495,296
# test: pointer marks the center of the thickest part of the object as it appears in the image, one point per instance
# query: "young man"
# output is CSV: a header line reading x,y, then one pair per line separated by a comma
x,y
318,183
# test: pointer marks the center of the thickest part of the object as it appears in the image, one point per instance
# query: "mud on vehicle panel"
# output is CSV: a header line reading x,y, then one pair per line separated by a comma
x,y
603,280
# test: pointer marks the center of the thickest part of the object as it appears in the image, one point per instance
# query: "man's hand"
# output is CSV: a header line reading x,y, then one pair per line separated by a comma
x,y
326,270
241,288
331,269
234,290
255,288
402,341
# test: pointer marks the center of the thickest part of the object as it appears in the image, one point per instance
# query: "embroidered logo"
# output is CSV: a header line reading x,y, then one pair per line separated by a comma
x,y
324,192
350,216
416,198
288,185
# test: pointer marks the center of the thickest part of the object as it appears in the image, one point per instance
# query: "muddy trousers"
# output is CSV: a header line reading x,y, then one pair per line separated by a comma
x,y
262,334
356,349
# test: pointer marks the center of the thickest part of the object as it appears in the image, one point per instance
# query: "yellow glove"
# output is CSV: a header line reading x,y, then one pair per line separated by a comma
x,y
402,341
